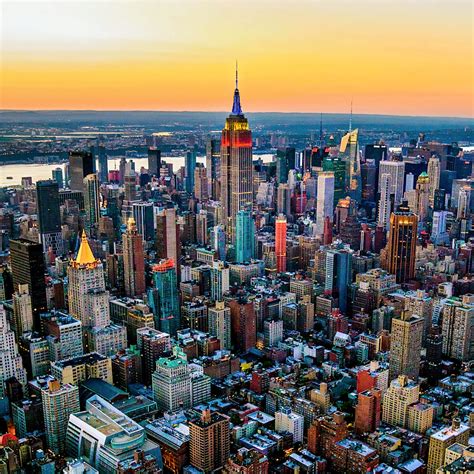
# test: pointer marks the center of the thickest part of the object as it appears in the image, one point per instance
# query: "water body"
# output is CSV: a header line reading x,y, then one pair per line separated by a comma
x,y
44,171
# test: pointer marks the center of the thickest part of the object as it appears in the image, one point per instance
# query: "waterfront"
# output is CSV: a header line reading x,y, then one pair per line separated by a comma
x,y
44,171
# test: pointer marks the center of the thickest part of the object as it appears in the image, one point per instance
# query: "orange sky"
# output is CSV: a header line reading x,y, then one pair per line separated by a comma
x,y
394,57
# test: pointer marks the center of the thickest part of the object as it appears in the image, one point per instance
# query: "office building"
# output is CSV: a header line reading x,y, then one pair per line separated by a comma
x,y
349,150
213,155
209,443
107,439
27,263
236,167
167,305
244,236
57,175
201,187
81,164
385,202
144,216
49,217
171,382
325,200
133,260
395,169
103,164
285,161
189,167
154,161
338,275
91,201
401,247
22,311
434,173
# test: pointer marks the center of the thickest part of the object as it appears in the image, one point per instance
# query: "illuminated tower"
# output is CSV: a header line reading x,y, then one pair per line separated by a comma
x,y
244,236
133,261
166,283
236,163
401,246
350,151
280,243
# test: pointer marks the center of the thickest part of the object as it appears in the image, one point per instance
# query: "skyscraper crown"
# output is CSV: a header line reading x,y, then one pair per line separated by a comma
x,y
236,107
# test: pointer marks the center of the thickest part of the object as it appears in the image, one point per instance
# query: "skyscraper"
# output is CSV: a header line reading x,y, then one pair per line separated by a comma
x,y
349,150
103,164
399,396
133,261
219,280
189,167
57,175
11,364
244,324
244,236
167,235
285,161
325,200
336,165
213,155
81,164
396,169
280,243
385,203
209,444
368,411
338,275
401,247
167,308
27,262
434,173
405,345
91,201
47,197
236,163
154,161
145,219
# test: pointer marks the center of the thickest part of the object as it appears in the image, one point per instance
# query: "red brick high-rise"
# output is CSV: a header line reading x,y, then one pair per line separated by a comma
x,y
367,411
325,432
244,324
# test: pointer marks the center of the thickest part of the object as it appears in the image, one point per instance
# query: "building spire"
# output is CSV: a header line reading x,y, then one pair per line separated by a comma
x,y
350,119
236,107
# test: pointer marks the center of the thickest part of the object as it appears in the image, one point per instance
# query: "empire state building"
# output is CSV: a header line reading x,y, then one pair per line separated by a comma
x,y
236,163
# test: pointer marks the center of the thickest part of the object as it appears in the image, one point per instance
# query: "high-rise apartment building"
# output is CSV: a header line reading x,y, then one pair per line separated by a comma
x,y
27,263
244,324
133,260
59,402
49,218
402,393
219,280
457,323
167,235
236,167
368,411
441,440
219,324
22,311
209,443
280,243
287,421
405,345
434,173
401,248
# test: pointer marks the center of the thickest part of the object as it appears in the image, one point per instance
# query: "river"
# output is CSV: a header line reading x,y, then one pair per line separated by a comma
x,y
44,171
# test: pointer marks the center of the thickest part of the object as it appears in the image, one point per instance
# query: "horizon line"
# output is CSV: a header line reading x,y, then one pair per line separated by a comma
x,y
226,112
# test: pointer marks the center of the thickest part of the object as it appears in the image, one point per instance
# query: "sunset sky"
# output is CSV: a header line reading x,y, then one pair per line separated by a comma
x,y
390,57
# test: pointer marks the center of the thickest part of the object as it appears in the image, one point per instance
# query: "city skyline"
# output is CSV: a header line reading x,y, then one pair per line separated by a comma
x,y
169,56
